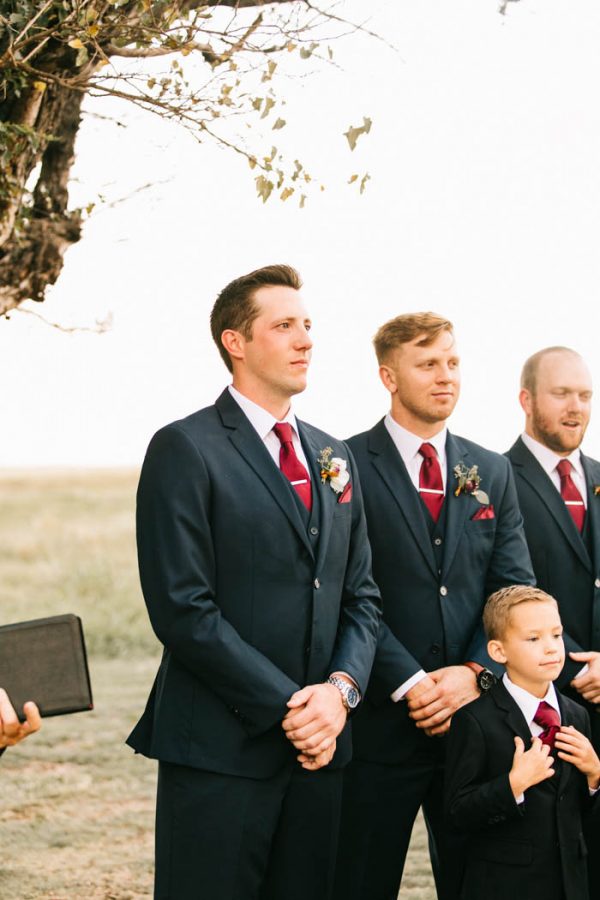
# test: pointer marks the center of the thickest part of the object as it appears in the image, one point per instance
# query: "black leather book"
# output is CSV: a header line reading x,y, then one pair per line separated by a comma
x,y
44,660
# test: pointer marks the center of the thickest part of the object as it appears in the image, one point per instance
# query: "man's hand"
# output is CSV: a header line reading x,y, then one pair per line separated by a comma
x,y
432,709
316,716
312,763
529,767
574,747
588,685
11,730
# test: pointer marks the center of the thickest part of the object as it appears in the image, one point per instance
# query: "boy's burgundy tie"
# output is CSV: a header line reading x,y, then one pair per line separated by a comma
x,y
570,493
291,466
431,485
548,719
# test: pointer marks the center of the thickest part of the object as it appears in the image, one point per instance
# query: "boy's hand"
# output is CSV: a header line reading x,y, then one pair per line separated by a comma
x,y
574,747
529,767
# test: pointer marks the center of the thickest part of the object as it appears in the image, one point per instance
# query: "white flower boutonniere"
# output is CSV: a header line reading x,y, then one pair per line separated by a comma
x,y
334,470
468,483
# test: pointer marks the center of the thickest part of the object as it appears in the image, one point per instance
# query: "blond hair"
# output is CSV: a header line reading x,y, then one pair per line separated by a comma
x,y
406,328
497,610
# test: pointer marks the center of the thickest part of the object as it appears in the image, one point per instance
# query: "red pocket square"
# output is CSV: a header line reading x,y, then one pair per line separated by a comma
x,y
346,495
484,512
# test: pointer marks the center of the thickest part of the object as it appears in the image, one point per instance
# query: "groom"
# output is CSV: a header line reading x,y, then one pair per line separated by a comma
x,y
255,568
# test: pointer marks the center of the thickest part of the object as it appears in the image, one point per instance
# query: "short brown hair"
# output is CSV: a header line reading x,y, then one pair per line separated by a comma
x,y
235,308
497,610
406,328
530,370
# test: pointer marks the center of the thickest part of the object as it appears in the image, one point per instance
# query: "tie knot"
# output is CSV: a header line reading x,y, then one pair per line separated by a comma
x,y
427,451
546,716
564,468
283,430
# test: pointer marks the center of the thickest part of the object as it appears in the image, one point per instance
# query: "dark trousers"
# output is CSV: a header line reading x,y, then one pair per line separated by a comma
x,y
221,837
379,807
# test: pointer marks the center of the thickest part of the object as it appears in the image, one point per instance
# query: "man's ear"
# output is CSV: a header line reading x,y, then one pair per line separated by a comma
x,y
526,401
388,378
496,651
234,343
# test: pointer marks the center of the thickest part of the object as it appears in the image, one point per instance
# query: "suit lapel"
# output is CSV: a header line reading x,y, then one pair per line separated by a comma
x,y
513,717
458,509
327,497
249,445
592,480
388,463
530,470
565,768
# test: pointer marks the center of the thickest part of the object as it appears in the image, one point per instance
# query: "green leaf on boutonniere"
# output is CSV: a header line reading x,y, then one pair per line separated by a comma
x,y
482,497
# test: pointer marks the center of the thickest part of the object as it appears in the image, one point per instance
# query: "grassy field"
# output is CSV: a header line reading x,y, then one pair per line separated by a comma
x,y
76,817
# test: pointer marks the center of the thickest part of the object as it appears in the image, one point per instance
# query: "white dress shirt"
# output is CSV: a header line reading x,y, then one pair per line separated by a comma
x,y
549,460
263,421
407,444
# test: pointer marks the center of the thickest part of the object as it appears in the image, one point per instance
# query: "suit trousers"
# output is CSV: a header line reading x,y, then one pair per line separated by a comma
x,y
225,837
379,808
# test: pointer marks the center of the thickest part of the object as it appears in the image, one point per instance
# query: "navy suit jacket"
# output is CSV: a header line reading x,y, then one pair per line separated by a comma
x,y
431,612
562,564
515,851
248,607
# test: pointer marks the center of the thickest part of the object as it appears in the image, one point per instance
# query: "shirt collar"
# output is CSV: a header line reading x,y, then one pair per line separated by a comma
x,y
261,420
548,459
526,702
408,443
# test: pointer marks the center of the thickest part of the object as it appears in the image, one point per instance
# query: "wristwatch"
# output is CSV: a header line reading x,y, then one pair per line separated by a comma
x,y
485,677
350,696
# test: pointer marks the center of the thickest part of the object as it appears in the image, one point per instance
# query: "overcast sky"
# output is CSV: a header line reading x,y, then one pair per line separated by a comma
x,y
483,205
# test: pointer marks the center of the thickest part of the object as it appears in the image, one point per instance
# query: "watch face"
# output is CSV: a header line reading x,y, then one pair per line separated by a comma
x,y
486,679
352,698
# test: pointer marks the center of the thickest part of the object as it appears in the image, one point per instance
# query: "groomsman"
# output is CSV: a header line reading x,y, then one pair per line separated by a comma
x,y
256,571
446,531
559,495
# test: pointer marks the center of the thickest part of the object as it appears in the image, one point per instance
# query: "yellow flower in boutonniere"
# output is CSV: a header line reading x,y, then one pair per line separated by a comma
x,y
597,490
334,470
468,483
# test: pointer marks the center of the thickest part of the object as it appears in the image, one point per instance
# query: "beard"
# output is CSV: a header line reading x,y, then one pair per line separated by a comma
x,y
552,437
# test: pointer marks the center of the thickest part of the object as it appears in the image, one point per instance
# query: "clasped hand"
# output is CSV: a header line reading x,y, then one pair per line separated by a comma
x,y
316,716
11,730
433,700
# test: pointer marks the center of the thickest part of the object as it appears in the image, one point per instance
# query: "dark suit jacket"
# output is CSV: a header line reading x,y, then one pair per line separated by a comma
x,y
431,613
515,851
562,564
248,605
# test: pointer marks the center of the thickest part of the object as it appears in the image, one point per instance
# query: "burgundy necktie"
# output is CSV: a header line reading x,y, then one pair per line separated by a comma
x,y
548,719
570,494
291,466
431,486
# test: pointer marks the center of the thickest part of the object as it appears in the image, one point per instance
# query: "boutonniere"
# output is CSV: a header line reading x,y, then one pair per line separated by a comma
x,y
468,483
334,470
597,490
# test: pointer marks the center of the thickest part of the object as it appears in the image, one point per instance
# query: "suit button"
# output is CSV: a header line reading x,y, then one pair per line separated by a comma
x,y
307,650
438,542
435,648
443,590
597,583
317,584
314,530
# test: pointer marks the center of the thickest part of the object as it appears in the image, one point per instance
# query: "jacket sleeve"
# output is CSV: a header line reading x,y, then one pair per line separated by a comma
x,y
360,613
178,576
473,800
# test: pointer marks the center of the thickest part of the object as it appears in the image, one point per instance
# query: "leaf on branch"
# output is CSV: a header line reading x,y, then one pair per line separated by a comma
x,y
352,179
40,86
76,44
269,104
366,177
286,192
307,52
280,123
354,132
82,57
264,188
252,162
270,71
302,201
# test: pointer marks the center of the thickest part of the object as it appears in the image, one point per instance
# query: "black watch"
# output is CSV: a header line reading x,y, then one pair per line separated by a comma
x,y
485,680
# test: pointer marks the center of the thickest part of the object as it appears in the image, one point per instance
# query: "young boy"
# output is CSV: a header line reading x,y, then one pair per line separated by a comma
x,y
521,770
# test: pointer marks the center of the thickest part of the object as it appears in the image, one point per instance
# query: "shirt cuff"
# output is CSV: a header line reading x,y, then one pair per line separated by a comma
x,y
582,671
402,691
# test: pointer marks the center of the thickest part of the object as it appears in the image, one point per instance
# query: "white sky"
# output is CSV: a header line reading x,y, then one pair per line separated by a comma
x,y
484,205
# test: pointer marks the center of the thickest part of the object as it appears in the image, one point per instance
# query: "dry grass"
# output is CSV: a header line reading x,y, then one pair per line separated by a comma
x,y
77,808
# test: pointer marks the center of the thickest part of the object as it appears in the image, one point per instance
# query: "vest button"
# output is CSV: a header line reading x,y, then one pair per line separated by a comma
x,y
314,530
597,583
317,584
443,590
437,542
435,648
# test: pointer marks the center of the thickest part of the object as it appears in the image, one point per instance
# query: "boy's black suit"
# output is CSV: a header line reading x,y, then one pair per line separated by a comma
x,y
526,852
